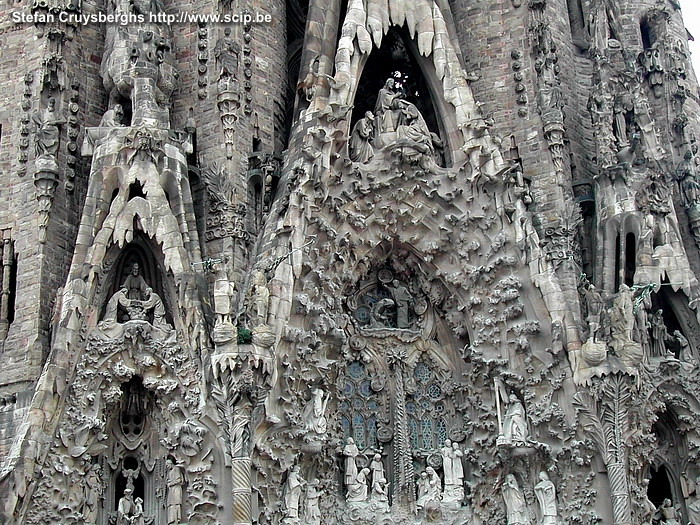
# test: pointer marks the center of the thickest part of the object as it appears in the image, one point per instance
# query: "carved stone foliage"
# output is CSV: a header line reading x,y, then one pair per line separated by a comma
x,y
134,401
226,215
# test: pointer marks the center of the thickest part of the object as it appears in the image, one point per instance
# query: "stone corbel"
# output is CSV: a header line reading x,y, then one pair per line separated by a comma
x,y
45,181
229,101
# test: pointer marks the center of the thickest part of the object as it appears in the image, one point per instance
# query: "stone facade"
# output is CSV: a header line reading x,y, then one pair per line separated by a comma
x,y
369,261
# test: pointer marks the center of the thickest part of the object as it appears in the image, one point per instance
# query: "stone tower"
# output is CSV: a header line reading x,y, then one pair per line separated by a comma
x,y
349,262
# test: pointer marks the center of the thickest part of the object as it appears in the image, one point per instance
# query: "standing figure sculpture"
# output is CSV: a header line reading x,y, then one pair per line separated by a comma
x,y
174,481
547,499
315,421
453,473
350,451
226,52
515,421
261,298
403,300
312,506
292,493
516,508
126,508
360,144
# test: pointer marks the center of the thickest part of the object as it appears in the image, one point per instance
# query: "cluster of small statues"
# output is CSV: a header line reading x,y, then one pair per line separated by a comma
x,y
517,511
293,491
136,300
394,121
629,329
367,483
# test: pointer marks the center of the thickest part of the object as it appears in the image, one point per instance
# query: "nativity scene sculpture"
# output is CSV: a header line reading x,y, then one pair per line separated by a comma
x,y
396,124
135,301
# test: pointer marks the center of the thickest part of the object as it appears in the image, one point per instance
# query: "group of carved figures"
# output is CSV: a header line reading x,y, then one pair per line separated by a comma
x,y
394,120
634,334
517,512
367,483
130,509
136,298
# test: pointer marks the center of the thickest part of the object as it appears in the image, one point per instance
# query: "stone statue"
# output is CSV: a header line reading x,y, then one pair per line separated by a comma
x,y
453,472
93,494
138,518
261,298
694,507
547,499
135,284
315,421
113,118
126,508
312,506
292,493
350,451
385,108
403,300
668,514
594,308
380,491
154,303
377,467
360,144
357,491
175,482
516,508
226,52
47,130
515,421
429,488
659,334
224,291
686,354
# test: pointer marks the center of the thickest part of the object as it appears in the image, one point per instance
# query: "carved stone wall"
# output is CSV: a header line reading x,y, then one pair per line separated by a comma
x,y
365,262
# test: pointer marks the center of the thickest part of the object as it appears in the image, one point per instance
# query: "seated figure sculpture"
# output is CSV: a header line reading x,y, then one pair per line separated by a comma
x,y
134,301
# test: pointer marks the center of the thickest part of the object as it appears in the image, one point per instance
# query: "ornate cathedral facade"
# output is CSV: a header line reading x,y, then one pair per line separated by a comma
x,y
318,262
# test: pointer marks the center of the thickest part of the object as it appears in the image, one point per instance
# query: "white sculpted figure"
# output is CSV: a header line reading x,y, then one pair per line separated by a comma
x,y
377,467
315,420
515,422
223,293
175,482
261,298
429,488
312,507
350,451
516,508
453,472
126,508
292,493
357,491
547,498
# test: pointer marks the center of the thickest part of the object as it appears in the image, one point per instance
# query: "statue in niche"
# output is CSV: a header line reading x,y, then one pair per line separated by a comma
x,y
292,494
659,334
686,354
594,308
515,421
93,494
113,118
175,481
453,472
385,107
312,506
47,130
429,489
668,514
261,298
315,421
226,52
516,508
135,284
126,508
403,301
623,107
137,300
224,291
360,144
547,499
350,451
357,491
